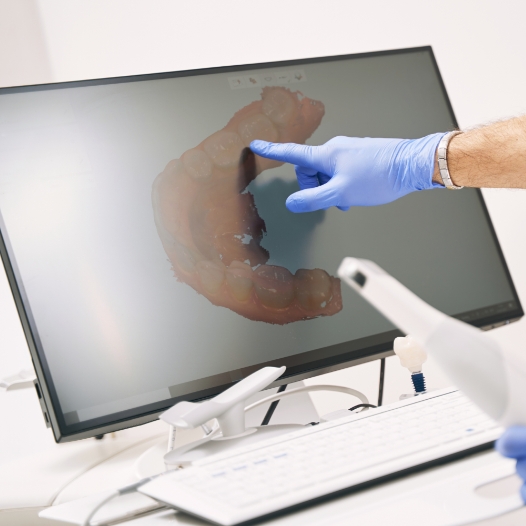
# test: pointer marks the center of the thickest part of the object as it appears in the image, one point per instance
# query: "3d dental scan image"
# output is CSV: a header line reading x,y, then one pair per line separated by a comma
x,y
210,226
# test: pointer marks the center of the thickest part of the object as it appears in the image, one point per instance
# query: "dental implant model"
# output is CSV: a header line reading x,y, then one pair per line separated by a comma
x,y
412,356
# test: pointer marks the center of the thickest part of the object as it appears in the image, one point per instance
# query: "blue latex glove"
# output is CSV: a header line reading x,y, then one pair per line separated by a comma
x,y
512,444
348,171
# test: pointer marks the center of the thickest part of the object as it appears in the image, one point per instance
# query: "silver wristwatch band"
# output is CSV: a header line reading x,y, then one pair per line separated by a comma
x,y
442,160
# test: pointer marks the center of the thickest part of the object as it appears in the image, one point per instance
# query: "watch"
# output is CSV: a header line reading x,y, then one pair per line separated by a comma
x,y
442,160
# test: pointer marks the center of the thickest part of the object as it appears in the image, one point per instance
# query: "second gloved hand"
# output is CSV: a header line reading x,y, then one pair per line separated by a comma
x,y
349,171
512,444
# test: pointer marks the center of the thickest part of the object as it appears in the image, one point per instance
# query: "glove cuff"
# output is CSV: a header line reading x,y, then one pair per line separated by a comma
x,y
419,156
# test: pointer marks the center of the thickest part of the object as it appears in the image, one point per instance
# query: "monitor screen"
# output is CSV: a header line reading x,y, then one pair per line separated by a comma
x,y
153,259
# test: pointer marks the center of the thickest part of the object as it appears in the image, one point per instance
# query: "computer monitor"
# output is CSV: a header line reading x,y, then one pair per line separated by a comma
x,y
151,255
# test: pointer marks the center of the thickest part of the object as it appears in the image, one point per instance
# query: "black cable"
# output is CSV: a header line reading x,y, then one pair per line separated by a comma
x,y
273,406
361,405
381,382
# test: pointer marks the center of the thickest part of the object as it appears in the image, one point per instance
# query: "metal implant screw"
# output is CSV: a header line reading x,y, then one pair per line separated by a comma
x,y
419,382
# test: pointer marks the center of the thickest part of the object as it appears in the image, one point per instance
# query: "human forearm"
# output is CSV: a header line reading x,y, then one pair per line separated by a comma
x,y
493,156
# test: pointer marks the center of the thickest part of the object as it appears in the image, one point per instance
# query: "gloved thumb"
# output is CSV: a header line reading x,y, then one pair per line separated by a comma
x,y
312,199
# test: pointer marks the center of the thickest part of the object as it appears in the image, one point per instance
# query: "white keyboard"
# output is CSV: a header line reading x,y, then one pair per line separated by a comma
x,y
316,461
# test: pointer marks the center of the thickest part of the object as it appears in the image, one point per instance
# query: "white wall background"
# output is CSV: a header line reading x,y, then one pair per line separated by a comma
x,y
479,44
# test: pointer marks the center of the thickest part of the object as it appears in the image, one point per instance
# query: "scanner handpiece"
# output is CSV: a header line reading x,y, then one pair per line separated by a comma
x,y
492,378
228,407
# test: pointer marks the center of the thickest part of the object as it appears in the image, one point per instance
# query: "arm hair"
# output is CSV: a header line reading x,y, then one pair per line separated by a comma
x,y
492,156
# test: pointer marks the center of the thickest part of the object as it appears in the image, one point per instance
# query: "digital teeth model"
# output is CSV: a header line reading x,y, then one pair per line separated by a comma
x,y
493,379
209,225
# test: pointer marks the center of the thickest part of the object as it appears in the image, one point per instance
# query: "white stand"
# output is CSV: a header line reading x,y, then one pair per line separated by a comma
x,y
229,409
292,412
22,380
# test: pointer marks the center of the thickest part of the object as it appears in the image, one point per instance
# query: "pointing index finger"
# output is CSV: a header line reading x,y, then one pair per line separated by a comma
x,y
299,154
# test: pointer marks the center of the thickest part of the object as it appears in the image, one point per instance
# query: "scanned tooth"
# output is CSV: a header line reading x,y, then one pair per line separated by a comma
x,y
240,265
278,106
239,279
274,286
173,176
257,127
240,286
313,288
237,235
224,148
212,274
170,205
197,164
174,168
185,258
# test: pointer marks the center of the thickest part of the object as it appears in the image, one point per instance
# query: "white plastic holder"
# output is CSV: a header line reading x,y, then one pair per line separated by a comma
x,y
229,410
22,380
228,407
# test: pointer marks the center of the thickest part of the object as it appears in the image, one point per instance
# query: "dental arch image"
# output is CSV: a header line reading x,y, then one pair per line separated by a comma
x,y
209,225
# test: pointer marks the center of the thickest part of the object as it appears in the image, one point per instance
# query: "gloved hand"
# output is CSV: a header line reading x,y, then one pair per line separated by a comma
x,y
512,444
348,171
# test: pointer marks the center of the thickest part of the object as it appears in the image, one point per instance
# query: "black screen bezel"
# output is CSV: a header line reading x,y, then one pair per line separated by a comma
x,y
299,365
